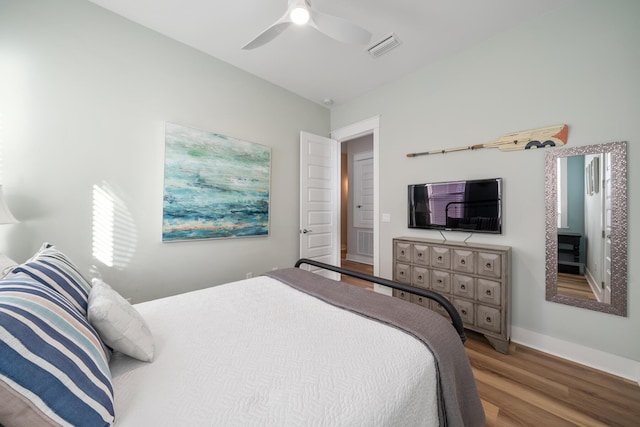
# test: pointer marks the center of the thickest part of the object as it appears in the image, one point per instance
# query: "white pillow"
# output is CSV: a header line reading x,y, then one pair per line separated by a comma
x,y
6,265
118,323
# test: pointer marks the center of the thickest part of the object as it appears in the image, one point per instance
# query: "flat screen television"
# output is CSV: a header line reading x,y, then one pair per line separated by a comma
x,y
473,205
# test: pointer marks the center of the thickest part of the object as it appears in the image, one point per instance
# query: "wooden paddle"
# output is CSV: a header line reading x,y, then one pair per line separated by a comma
x,y
524,140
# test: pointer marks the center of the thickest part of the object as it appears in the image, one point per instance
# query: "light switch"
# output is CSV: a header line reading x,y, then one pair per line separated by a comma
x,y
386,217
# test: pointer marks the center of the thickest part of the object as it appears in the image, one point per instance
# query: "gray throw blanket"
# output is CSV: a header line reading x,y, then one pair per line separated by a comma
x,y
458,400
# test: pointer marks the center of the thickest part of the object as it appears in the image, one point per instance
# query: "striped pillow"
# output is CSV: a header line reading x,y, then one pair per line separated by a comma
x,y
53,367
52,268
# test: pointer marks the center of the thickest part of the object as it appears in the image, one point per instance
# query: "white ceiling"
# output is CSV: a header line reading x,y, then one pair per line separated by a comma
x,y
315,66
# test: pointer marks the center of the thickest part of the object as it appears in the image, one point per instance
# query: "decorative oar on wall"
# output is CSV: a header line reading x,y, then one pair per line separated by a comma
x,y
524,140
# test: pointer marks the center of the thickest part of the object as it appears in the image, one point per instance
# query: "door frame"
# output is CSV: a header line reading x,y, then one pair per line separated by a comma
x,y
369,126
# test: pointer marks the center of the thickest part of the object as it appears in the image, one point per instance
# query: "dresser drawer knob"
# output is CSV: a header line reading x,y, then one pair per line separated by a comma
x,y
463,287
463,262
419,254
488,319
488,292
464,312
419,277
439,258
488,265
439,281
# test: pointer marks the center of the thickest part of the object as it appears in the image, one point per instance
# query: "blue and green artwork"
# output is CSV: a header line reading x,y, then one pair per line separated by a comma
x,y
214,186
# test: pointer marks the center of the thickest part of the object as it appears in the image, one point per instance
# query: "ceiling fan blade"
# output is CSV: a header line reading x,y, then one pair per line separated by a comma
x,y
270,33
339,29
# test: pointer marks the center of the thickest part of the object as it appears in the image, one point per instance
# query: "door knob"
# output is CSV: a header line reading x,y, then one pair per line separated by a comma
x,y
358,206
305,231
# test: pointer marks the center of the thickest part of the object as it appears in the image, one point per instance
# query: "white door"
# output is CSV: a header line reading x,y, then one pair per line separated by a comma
x,y
606,235
363,190
319,202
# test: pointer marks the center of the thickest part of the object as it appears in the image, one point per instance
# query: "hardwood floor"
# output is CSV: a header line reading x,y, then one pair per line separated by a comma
x,y
574,285
531,388
360,268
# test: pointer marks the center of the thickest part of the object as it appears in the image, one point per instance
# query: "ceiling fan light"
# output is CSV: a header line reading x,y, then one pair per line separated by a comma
x,y
299,15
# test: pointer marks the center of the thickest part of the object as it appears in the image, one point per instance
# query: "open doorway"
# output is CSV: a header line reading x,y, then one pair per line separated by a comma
x,y
343,136
357,206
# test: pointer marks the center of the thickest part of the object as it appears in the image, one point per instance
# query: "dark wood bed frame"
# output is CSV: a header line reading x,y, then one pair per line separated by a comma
x,y
456,320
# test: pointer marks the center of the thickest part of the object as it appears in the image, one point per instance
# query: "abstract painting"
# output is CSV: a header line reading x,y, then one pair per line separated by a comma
x,y
215,186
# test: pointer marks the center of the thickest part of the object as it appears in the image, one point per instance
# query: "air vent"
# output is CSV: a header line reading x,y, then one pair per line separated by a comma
x,y
383,46
365,243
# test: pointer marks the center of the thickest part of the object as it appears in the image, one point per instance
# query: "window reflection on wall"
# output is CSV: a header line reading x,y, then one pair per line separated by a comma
x,y
2,135
114,232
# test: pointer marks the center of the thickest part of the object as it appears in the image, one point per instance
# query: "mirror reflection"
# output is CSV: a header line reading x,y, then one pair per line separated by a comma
x,y
582,242
586,227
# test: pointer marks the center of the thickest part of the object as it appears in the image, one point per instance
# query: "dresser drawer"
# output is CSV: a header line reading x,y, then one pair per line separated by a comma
x,y
423,301
489,291
463,286
435,306
420,254
440,257
465,309
489,265
402,295
488,318
420,277
402,273
403,252
441,281
463,261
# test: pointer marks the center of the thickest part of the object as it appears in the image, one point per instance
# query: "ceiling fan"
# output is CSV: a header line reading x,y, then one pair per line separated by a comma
x,y
300,12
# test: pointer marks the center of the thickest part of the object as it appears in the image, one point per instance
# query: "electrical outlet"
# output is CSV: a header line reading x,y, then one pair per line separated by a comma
x,y
249,275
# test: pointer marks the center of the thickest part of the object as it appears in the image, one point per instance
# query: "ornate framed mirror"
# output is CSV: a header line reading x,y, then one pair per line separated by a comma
x,y
586,227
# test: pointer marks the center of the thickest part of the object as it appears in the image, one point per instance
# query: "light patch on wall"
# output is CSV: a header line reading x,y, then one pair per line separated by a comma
x,y
14,92
114,232
2,131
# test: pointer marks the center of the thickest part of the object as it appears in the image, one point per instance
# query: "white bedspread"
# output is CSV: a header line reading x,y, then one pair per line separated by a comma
x,y
259,353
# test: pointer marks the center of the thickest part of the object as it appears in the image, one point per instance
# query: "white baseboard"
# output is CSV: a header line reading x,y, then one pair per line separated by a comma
x,y
597,359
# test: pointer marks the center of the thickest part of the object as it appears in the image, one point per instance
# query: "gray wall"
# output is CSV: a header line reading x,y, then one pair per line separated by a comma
x,y
578,65
84,95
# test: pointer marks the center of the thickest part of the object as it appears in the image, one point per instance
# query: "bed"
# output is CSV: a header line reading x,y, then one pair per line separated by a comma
x,y
288,348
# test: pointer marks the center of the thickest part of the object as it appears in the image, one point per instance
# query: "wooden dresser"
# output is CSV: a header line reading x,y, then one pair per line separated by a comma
x,y
474,277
